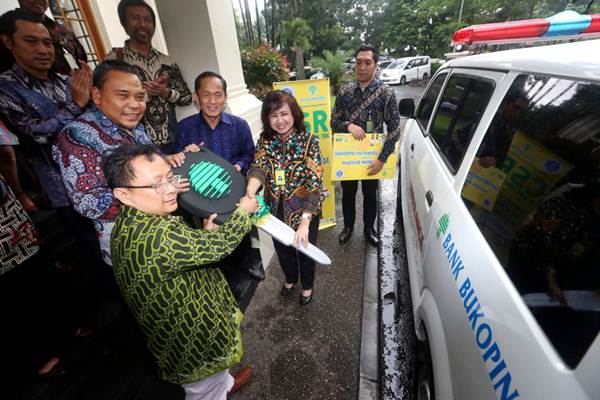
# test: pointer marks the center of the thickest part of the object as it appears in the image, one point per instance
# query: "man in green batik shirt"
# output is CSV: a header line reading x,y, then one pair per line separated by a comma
x,y
166,272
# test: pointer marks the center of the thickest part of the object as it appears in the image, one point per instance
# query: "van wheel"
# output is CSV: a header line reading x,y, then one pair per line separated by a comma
x,y
425,386
425,76
403,80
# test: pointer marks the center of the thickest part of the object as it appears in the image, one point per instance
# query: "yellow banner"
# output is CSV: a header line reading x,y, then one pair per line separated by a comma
x,y
483,185
314,98
532,171
352,158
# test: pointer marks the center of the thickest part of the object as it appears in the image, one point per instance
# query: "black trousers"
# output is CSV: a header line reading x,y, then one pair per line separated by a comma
x,y
293,262
369,190
35,315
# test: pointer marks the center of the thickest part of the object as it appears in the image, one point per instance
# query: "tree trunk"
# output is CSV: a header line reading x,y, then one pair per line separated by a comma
x,y
273,5
296,8
299,63
244,22
266,15
249,22
257,22
530,9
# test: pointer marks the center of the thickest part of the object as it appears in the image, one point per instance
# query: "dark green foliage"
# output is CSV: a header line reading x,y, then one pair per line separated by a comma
x,y
262,66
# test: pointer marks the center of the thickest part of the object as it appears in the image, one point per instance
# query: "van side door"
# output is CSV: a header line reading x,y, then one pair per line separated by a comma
x,y
513,257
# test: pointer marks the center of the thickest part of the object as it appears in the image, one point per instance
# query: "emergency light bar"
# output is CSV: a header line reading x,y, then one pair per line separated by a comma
x,y
564,25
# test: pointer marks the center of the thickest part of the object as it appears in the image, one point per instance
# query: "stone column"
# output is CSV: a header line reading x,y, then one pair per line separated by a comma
x,y
200,36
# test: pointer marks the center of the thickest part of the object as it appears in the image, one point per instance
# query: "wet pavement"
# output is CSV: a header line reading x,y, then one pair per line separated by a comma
x,y
309,352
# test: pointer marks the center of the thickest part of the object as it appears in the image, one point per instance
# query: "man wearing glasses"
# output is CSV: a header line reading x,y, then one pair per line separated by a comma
x,y
165,270
119,104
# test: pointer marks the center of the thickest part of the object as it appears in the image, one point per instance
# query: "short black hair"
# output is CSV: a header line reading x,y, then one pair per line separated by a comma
x,y
8,21
515,95
102,70
368,47
208,74
117,168
125,4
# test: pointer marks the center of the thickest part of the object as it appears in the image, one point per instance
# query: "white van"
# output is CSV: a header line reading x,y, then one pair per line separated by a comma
x,y
500,201
406,69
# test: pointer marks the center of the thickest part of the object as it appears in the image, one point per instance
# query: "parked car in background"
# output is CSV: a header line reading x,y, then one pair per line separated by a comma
x,y
383,65
407,69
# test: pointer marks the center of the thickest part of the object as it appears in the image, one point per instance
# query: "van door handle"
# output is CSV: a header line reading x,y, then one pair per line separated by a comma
x,y
429,197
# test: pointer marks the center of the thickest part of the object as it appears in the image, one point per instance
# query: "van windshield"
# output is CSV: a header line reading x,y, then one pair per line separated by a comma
x,y
398,64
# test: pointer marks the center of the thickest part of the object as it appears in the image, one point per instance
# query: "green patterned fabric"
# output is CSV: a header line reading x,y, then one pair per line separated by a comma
x,y
183,304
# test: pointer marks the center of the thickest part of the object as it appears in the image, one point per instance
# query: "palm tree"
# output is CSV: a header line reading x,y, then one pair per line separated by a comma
x,y
332,65
296,34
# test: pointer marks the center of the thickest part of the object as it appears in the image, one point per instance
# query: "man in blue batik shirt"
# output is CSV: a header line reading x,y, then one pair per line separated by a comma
x,y
229,137
226,135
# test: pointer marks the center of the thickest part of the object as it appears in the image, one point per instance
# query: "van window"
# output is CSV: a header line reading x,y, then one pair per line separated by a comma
x,y
534,191
456,119
427,103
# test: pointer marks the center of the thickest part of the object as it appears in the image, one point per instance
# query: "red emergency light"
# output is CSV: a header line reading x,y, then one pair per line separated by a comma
x,y
566,24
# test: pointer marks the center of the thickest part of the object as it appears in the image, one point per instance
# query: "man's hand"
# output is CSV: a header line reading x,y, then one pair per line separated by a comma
x,y
183,185
487,161
301,236
81,84
374,168
249,204
192,148
157,87
237,168
176,160
209,224
357,132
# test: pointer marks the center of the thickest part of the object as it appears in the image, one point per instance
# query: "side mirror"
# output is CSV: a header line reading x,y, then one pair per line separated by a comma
x,y
406,108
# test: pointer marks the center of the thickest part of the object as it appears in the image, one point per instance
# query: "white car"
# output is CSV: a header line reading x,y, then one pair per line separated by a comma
x,y
500,194
406,69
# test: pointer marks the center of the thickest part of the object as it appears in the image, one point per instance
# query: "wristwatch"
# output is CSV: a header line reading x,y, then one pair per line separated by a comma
x,y
307,216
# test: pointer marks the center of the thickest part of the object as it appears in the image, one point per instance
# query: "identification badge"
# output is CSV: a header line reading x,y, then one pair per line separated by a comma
x,y
280,177
70,60
369,126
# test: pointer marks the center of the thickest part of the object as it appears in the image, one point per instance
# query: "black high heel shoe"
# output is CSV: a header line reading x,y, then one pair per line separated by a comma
x,y
304,300
285,292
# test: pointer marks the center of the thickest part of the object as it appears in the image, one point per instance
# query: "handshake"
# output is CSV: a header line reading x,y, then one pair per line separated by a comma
x,y
250,204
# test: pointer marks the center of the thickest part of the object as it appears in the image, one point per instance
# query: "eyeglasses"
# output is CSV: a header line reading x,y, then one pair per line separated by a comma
x,y
159,188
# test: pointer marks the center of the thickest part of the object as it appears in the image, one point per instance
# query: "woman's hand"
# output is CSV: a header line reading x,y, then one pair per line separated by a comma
x,y
252,187
301,236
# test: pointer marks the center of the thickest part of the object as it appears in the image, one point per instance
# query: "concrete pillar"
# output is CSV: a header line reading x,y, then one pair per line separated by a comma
x,y
201,36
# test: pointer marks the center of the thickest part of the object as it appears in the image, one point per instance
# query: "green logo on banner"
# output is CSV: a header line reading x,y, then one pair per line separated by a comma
x,y
442,225
312,89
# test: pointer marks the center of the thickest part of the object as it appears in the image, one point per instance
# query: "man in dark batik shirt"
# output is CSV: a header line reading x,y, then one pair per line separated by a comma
x,y
382,109
160,75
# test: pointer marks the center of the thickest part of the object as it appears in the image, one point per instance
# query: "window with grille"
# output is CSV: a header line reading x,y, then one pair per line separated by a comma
x,y
77,16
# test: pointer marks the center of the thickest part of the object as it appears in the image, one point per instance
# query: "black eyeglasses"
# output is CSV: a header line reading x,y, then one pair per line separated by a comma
x,y
159,188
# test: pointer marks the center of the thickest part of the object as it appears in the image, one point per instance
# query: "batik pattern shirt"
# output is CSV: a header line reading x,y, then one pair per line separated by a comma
x,y
36,111
180,299
300,159
383,109
18,237
231,138
79,150
160,115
